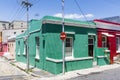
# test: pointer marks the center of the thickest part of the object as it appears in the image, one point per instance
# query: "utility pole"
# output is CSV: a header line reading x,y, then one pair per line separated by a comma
x,y
27,5
63,42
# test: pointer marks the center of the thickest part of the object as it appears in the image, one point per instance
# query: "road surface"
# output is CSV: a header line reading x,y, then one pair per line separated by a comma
x,y
113,74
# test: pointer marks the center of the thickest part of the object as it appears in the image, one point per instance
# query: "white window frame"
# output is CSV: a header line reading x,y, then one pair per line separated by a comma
x,y
67,57
18,53
92,39
118,44
104,41
37,56
24,53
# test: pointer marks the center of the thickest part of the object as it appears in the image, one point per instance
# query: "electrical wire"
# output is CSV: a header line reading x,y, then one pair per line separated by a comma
x,y
82,12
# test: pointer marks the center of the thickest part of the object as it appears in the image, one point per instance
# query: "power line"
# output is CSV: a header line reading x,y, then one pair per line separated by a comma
x,y
81,11
18,13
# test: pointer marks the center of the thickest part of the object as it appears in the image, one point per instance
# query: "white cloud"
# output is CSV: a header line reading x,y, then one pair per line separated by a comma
x,y
74,16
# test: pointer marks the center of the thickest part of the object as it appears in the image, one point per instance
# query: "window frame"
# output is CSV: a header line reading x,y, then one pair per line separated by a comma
x,y
117,43
104,42
72,55
37,47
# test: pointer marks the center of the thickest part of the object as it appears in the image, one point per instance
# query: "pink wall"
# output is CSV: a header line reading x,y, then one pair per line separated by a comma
x,y
5,48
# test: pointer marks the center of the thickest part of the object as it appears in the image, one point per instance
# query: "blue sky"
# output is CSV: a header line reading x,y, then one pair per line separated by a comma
x,y
92,9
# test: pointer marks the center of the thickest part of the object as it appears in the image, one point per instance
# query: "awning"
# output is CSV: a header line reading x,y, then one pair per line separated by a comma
x,y
107,34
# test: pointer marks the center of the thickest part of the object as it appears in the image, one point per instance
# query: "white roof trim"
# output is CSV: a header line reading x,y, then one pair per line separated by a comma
x,y
69,24
70,32
109,35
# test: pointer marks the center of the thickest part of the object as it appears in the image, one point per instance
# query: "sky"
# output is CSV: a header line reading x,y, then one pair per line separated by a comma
x,y
91,9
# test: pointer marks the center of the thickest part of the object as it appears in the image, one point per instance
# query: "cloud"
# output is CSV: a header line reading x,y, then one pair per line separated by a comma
x,y
74,16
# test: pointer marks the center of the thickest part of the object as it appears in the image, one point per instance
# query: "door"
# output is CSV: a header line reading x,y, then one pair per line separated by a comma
x,y
91,45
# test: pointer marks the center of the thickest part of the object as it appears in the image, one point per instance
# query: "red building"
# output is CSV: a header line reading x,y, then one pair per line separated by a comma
x,y
109,37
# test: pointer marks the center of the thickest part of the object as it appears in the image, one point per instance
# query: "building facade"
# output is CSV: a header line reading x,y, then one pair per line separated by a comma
x,y
8,31
109,37
45,45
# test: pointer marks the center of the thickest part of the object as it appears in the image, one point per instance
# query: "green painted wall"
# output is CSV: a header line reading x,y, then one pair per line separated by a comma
x,y
21,57
51,46
103,60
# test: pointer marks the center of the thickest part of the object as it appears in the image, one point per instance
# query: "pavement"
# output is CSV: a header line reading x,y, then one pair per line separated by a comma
x,y
11,72
44,75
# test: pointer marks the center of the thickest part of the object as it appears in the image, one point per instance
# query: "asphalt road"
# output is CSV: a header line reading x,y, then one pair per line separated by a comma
x,y
113,74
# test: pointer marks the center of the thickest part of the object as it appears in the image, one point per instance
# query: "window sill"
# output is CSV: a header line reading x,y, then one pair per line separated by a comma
x,y
18,54
68,59
37,58
101,56
107,50
117,51
24,53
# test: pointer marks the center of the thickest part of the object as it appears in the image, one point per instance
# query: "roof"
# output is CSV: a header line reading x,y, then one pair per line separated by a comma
x,y
35,25
108,22
103,24
112,19
57,20
4,22
22,35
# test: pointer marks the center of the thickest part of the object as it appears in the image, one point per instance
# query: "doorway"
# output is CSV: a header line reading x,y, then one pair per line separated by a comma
x,y
91,45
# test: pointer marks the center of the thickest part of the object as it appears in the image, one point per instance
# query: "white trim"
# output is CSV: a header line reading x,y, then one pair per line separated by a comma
x,y
107,50
101,56
70,59
117,51
72,49
118,34
18,53
37,56
70,32
24,53
69,23
92,34
107,26
34,31
107,34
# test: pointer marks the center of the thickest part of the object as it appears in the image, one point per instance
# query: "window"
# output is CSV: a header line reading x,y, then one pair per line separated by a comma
x,y
12,26
37,48
69,47
18,48
24,51
4,26
14,32
21,24
91,45
117,43
104,41
22,31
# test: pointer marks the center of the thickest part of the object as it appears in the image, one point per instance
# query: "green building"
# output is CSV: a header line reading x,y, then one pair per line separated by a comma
x,y
45,45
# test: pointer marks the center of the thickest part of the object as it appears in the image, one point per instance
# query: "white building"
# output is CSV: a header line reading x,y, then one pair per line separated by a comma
x,y
15,28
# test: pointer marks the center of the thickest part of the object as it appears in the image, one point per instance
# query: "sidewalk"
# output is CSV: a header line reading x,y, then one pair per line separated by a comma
x,y
44,75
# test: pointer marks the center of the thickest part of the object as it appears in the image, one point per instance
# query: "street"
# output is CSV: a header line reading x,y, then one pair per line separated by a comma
x,y
113,74
10,72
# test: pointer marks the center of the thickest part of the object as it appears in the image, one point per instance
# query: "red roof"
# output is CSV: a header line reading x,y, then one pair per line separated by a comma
x,y
104,21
